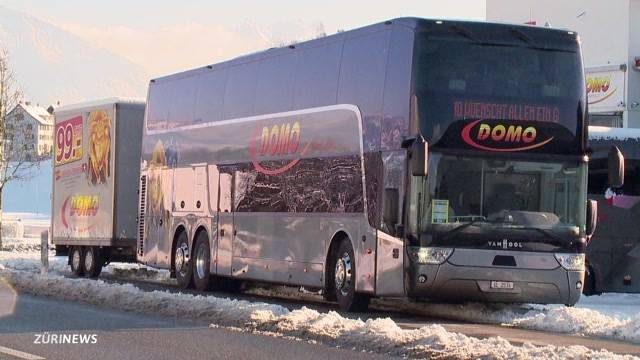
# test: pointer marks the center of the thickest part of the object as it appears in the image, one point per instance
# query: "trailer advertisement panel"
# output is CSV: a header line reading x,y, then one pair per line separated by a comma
x,y
83,175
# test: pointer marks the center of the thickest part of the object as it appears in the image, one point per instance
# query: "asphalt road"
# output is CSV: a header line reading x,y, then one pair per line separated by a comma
x,y
124,335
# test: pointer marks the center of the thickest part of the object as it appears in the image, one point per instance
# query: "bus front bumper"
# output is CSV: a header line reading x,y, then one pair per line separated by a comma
x,y
455,282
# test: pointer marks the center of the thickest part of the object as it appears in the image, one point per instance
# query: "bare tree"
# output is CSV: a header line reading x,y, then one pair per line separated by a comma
x,y
16,161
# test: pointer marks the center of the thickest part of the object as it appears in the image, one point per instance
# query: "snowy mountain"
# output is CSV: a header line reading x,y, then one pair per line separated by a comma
x,y
52,64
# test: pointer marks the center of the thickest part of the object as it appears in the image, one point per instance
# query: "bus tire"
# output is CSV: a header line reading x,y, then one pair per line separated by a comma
x,y
344,278
182,262
202,278
76,260
92,262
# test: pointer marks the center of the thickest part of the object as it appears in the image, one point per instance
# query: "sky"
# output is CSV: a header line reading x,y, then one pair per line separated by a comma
x,y
168,36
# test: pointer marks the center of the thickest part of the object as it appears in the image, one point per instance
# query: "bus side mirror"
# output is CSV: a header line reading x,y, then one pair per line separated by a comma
x,y
616,167
592,217
391,201
419,157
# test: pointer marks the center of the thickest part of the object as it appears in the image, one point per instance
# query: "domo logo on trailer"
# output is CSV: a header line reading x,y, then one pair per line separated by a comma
x,y
277,141
80,207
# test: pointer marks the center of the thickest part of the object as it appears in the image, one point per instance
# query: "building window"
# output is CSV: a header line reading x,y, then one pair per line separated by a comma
x,y
610,120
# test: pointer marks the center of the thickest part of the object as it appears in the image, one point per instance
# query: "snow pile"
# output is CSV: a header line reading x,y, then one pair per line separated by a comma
x,y
22,257
137,272
618,305
573,320
581,321
378,335
27,260
13,229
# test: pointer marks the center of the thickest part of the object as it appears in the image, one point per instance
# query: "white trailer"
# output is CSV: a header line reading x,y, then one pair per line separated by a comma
x,y
95,182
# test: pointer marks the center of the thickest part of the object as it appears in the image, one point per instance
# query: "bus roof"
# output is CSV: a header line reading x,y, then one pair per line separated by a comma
x,y
407,22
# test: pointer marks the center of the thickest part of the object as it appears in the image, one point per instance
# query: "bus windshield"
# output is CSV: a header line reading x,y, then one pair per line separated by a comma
x,y
498,193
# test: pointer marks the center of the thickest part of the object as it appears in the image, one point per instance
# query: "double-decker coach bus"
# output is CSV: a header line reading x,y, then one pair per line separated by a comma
x,y
308,165
613,254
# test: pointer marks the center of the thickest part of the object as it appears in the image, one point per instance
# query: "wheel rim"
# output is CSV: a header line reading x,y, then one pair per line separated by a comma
x,y
88,260
201,261
75,259
343,274
182,258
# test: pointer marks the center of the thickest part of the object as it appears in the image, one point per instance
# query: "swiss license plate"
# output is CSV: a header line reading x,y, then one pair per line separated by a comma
x,y
502,284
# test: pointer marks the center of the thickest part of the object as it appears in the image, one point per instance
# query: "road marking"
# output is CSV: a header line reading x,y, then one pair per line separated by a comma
x,y
19,354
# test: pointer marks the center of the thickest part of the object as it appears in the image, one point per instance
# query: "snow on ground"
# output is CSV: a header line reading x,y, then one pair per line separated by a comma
x,y
29,260
374,335
620,322
614,316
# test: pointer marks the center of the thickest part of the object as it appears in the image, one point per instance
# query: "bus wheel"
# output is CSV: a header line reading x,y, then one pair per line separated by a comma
x,y
92,262
183,263
76,260
202,277
344,277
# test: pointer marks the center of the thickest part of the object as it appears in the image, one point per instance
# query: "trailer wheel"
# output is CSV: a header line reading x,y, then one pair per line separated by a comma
x,y
76,260
182,262
202,277
344,278
92,262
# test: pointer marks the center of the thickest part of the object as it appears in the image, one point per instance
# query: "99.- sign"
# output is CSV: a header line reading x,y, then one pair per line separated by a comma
x,y
69,141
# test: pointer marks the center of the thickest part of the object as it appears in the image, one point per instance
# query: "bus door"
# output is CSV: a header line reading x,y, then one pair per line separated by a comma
x,y
225,224
390,252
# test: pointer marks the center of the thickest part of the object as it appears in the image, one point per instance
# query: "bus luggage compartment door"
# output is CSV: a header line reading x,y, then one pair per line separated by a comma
x,y
225,225
390,266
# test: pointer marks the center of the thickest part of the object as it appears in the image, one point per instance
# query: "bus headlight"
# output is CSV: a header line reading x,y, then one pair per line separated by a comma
x,y
573,262
429,255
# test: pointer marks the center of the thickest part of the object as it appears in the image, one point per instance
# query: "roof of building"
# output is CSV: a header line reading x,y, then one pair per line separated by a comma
x,y
37,112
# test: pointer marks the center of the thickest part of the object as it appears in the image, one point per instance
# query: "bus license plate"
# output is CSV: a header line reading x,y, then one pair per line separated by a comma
x,y
502,285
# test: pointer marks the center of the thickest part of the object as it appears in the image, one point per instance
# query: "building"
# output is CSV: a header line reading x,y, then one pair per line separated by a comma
x,y
610,43
29,128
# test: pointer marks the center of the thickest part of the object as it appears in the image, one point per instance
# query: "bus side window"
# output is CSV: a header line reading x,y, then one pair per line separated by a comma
x,y
316,76
210,97
182,107
240,91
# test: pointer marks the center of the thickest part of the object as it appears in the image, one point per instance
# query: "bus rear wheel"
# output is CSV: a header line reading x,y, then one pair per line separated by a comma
x,y
183,262
202,277
76,260
343,273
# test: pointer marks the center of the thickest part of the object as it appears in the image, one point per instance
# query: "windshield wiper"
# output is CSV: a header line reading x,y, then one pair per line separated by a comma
x,y
550,234
449,234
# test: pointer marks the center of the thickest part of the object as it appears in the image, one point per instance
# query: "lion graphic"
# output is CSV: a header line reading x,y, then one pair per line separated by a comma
x,y
99,162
